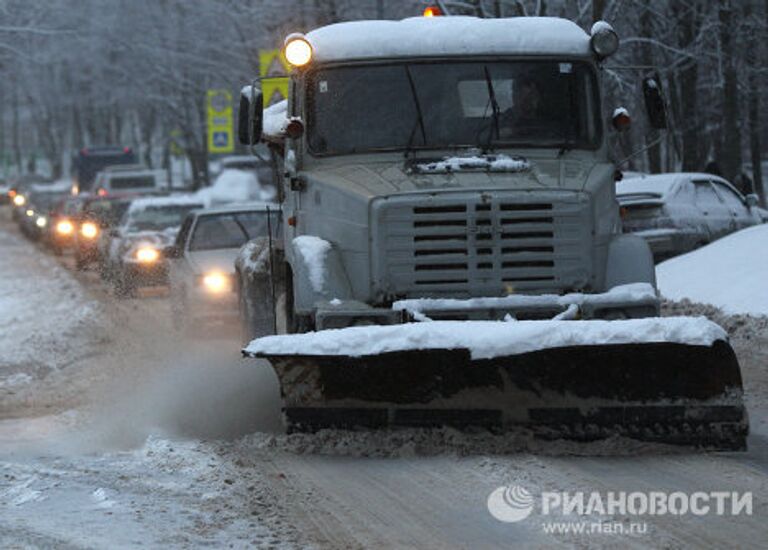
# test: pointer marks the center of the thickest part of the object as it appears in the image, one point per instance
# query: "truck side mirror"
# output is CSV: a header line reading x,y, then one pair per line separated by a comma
x,y
250,116
654,103
752,200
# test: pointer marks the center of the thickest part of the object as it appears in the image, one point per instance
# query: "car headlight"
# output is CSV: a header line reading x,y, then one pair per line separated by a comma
x,y
41,222
89,230
147,254
64,227
30,212
216,282
19,200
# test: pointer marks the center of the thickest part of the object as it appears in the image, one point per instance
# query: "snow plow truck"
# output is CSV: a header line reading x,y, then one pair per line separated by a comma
x,y
451,250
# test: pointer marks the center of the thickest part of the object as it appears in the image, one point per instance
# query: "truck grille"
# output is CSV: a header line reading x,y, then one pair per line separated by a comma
x,y
482,244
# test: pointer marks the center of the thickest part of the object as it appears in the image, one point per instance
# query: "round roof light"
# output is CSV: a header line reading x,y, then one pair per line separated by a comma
x,y
604,41
298,50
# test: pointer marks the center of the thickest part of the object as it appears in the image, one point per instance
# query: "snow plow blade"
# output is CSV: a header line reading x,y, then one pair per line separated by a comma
x,y
664,392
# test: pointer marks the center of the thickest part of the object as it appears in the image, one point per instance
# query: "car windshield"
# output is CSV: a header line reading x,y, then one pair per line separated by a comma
x,y
131,182
105,211
232,230
45,201
447,105
157,218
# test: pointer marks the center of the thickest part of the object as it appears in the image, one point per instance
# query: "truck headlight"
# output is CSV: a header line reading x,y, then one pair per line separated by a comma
x,y
298,51
19,200
147,255
89,230
216,282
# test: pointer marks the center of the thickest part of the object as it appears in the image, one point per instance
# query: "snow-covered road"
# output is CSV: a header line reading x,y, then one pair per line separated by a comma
x,y
142,438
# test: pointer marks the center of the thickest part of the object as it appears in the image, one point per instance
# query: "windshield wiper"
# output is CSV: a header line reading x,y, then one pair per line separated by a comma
x,y
419,116
494,108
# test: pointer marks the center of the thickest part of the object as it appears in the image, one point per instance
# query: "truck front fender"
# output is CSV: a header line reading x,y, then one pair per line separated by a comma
x,y
629,261
311,286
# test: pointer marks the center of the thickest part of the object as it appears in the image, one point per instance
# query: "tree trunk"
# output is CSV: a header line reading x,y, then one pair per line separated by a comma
x,y
688,118
646,30
755,147
730,162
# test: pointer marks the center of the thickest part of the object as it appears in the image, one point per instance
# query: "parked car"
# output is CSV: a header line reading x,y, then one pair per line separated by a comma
x,y
676,213
133,178
202,260
149,225
40,202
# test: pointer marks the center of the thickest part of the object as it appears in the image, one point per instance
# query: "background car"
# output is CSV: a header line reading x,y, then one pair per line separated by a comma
x,y
97,214
133,178
41,200
202,260
678,212
135,252
61,230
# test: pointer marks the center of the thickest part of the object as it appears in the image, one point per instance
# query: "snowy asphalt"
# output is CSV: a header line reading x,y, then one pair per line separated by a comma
x,y
117,433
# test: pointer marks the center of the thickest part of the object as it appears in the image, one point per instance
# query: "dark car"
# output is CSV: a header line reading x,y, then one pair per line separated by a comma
x,y
41,201
89,161
96,215
61,229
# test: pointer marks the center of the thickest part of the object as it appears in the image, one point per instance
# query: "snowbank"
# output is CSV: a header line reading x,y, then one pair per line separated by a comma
x,y
731,273
488,339
234,185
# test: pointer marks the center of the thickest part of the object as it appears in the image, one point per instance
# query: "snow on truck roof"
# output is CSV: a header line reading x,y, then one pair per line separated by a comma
x,y
447,36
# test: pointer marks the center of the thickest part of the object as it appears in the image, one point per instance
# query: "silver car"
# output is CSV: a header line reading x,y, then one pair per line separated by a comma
x,y
678,212
202,260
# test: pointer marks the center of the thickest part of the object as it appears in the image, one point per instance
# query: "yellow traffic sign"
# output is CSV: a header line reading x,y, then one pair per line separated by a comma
x,y
220,135
274,70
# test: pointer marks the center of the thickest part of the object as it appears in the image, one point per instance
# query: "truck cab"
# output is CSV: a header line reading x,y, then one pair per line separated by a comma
x,y
447,158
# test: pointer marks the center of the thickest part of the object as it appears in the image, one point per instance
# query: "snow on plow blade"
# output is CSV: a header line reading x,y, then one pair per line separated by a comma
x,y
669,391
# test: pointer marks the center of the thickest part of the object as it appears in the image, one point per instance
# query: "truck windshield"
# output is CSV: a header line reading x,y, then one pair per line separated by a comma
x,y
537,104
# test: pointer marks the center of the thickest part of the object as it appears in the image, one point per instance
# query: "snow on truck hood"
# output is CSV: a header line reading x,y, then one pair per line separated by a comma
x,y
489,339
446,36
